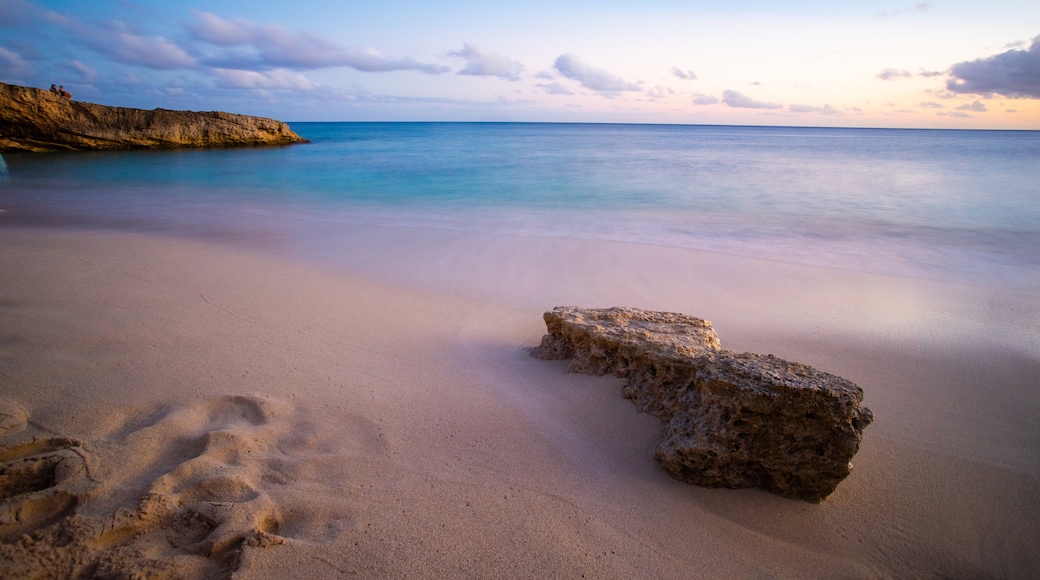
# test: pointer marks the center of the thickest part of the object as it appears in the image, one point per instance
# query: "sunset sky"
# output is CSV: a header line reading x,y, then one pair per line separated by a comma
x,y
877,63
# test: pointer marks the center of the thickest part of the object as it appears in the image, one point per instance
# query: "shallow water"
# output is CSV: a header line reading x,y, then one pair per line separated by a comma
x,y
960,205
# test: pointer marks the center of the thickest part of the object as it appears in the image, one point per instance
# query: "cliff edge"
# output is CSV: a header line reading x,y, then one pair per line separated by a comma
x,y
38,120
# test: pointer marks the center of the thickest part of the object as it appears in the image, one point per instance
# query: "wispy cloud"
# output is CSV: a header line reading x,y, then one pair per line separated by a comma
x,y
12,65
920,7
1015,73
591,77
485,63
272,79
659,92
891,74
123,45
85,72
260,47
17,13
976,106
154,52
702,99
742,101
555,88
932,105
686,75
824,110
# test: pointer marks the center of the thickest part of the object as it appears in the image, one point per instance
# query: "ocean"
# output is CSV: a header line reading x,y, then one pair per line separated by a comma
x,y
962,206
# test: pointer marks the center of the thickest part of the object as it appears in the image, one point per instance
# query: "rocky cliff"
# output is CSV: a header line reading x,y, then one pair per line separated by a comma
x,y
37,120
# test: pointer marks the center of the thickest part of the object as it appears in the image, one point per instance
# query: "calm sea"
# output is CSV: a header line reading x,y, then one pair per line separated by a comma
x,y
958,204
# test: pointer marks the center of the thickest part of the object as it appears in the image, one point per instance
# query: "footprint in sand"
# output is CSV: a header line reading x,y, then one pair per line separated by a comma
x,y
199,472
29,477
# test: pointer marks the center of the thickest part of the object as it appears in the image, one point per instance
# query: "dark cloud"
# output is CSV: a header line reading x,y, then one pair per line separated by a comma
x,y
254,47
1015,73
977,106
590,77
484,63
702,99
742,101
891,74
686,75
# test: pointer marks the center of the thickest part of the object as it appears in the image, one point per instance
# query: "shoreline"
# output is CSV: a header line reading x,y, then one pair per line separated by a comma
x,y
397,426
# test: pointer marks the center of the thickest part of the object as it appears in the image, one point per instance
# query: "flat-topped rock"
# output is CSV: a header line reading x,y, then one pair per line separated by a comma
x,y
37,120
732,419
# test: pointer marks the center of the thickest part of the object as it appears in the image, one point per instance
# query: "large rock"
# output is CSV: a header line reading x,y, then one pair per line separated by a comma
x,y
37,120
732,420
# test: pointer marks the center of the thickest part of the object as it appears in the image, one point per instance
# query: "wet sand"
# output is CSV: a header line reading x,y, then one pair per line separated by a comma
x,y
183,407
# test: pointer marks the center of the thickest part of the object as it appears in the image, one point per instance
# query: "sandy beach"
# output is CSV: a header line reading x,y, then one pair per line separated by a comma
x,y
211,411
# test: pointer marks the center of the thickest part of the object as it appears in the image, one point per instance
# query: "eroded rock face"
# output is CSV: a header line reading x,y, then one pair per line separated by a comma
x,y
732,419
37,120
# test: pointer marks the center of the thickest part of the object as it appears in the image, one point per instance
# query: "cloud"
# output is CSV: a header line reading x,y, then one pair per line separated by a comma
x,y
1015,73
977,106
590,77
891,74
272,79
956,114
920,7
114,40
824,110
155,52
659,92
12,65
86,73
686,75
16,13
702,99
930,73
269,47
556,89
484,63
932,105
742,101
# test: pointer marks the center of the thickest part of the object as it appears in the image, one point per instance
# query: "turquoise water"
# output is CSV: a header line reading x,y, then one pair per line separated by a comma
x,y
925,202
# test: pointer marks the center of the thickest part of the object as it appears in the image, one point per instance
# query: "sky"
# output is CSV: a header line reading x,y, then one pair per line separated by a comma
x,y
870,63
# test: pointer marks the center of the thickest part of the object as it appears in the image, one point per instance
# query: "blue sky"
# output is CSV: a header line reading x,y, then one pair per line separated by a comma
x,y
938,63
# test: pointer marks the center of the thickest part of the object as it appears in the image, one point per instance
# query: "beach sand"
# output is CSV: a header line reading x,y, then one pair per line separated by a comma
x,y
187,408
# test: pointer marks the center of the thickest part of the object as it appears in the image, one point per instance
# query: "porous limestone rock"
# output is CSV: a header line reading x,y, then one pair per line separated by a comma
x,y
732,419
37,120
